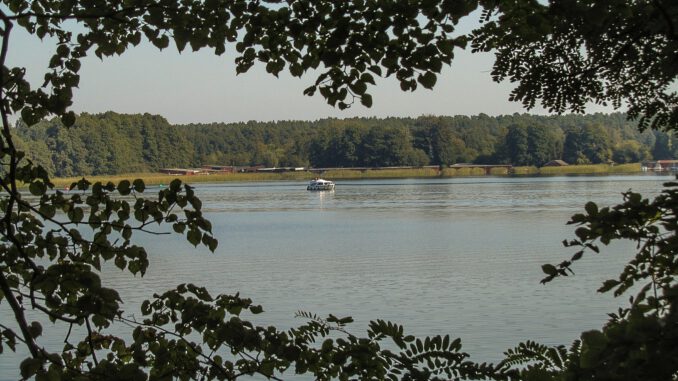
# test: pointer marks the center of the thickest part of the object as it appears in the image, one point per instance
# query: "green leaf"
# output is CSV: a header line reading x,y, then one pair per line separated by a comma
x,y
366,100
358,87
146,307
47,210
76,215
196,203
181,37
124,187
194,236
296,70
29,367
120,262
367,78
608,285
591,208
428,80
582,233
73,65
179,227
63,50
256,309
35,329
549,269
134,267
266,368
28,116
212,244
310,91
375,69
593,344
162,42
419,345
53,374
445,46
37,188
68,119
175,185
139,185
55,61
127,232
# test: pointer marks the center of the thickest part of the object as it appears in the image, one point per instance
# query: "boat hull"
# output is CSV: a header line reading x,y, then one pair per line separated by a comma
x,y
324,187
320,185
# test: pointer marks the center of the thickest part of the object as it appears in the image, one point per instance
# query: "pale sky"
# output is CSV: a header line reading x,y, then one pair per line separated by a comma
x,y
200,87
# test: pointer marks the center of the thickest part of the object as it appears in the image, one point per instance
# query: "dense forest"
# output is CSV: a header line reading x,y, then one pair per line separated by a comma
x,y
111,143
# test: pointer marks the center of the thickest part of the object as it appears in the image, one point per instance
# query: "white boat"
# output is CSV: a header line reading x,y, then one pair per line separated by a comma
x,y
320,185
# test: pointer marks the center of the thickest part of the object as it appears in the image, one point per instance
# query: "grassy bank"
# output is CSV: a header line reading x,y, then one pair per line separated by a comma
x,y
380,173
162,179
590,169
347,174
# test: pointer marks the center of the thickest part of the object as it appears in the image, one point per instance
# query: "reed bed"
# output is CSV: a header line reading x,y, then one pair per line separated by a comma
x,y
149,179
340,174
525,170
500,171
625,168
163,179
590,169
463,171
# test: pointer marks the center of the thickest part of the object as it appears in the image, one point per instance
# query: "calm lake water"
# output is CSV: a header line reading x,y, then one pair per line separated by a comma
x,y
449,256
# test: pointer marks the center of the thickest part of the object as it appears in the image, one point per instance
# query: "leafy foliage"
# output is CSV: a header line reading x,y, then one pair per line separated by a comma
x,y
542,362
55,244
351,42
566,54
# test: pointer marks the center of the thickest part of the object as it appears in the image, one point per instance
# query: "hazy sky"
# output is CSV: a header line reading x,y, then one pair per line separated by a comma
x,y
202,87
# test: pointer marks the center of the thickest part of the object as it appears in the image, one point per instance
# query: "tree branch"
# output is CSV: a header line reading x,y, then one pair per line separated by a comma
x,y
19,316
13,334
91,343
17,308
54,315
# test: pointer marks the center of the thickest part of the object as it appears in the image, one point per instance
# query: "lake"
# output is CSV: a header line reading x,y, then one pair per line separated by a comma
x,y
441,256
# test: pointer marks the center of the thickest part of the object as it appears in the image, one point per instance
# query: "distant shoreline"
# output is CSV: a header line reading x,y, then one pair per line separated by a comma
x,y
349,174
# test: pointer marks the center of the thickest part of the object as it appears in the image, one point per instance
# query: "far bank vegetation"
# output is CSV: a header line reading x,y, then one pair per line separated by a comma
x,y
111,143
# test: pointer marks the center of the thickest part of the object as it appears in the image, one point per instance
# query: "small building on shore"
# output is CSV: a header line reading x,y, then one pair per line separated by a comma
x,y
556,163
180,171
219,168
660,166
250,169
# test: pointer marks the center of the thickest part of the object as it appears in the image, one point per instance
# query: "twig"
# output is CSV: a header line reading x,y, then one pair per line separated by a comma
x,y
19,316
13,334
6,289
91,343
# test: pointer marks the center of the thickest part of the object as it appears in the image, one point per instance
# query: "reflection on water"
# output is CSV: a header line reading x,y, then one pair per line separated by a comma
x,y
449,256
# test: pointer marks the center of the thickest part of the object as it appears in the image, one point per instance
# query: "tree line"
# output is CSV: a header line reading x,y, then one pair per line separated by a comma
x,y
112,143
